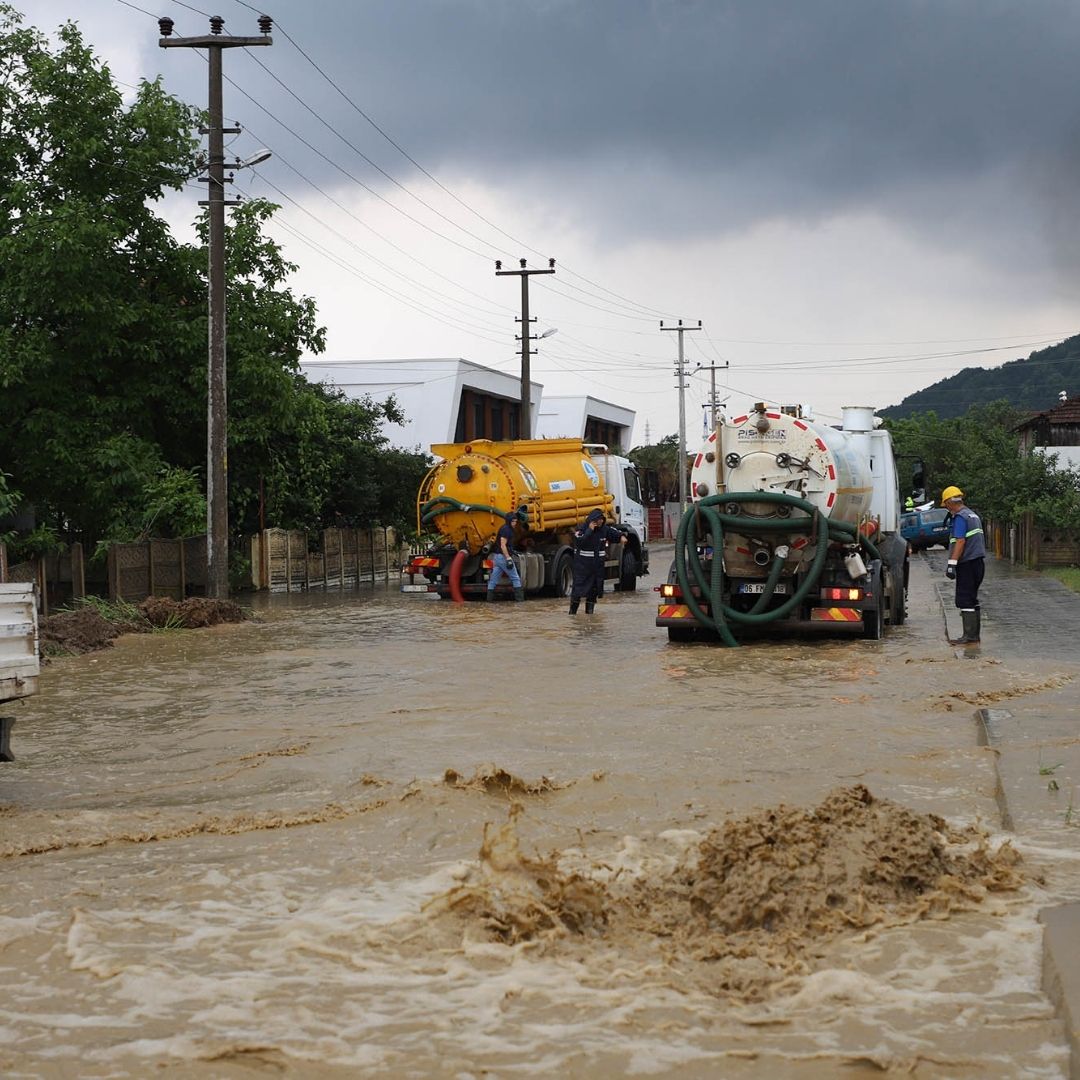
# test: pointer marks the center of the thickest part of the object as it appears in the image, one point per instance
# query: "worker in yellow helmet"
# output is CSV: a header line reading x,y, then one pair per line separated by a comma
x,y
967,562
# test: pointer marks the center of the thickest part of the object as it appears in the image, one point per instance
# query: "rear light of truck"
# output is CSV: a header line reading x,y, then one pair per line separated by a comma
x,y
669,592
420,562
842,594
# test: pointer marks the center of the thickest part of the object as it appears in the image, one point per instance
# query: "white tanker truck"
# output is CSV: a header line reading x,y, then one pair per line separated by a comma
x,y
794,525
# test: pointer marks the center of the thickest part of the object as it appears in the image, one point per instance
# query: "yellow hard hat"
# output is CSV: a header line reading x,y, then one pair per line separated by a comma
x,y
951,492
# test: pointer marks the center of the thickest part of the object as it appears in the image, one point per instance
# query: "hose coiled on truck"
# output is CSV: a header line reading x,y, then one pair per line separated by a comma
x,y
444,504
704,520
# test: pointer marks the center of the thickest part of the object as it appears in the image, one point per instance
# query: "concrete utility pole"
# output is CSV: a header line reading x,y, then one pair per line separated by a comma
x,y
712,369
217,483
525,424
680,374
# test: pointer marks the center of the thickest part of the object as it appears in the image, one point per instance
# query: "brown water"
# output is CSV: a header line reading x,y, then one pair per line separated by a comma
x,y
376,834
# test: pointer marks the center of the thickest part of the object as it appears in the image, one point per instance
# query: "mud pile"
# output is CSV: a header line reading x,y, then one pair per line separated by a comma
x,y
191,614
83,631
745,906
86,629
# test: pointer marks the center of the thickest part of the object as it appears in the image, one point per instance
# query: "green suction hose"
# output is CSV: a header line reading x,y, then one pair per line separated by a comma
x,y
703,519
443,504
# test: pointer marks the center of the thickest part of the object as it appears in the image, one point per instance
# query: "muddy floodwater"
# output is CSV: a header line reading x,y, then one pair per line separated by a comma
x,y
371,833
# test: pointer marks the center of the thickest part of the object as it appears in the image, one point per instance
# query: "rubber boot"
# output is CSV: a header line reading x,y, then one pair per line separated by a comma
x,y
491,594
970,635
574,605
590,606
519,594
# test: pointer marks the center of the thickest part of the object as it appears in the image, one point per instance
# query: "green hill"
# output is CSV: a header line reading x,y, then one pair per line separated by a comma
x,y
1030,384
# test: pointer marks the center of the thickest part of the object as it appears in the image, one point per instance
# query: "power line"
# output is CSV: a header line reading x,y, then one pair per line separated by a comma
x,y
472,210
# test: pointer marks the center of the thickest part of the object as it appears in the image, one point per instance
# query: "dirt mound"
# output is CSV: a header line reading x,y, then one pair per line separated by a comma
x,y
82,631
747,904
190,614
86,629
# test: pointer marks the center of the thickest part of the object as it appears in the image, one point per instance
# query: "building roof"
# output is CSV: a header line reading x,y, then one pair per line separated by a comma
x,y
1068,412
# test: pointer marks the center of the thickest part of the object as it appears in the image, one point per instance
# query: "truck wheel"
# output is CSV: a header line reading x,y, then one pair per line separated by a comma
x,y
628,566
562,577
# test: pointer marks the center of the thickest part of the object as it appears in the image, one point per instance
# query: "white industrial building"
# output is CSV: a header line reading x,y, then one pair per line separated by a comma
x,y
448,399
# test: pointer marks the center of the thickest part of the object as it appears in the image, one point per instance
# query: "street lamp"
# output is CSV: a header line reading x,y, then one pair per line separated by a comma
x,y
256,159
548,333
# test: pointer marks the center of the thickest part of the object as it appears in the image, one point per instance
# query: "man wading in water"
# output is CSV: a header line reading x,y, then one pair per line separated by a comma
x,y
590,547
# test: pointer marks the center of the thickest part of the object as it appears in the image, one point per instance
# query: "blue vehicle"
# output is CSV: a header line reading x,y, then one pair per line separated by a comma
x,y
925,528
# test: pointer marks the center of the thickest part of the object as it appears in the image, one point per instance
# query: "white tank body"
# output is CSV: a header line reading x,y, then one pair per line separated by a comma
x,y
772,451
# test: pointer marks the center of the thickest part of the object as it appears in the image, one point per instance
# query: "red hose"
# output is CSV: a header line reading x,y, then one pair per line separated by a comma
x,y
455,577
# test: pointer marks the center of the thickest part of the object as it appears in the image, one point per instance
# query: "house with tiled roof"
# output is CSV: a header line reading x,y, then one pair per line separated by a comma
x,y
1054,431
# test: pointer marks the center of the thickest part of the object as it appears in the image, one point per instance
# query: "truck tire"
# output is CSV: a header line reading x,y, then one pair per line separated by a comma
x,y
628,567
562,575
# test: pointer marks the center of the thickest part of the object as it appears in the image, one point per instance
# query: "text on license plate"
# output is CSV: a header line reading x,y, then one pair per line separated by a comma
x,y
759,587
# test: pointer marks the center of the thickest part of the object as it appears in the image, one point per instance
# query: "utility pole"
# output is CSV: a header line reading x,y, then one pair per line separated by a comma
x,y
712,369
680,374
217,467
525,424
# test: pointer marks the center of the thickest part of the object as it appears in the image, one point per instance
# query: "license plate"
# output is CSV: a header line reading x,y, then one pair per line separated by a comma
x,y
759,587
414,588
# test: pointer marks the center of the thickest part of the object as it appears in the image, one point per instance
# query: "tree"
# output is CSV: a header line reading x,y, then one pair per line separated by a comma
x,y
88,268
980,453
103,324
659,464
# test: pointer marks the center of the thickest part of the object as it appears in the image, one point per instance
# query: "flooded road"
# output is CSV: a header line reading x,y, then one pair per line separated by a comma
x,y
378,834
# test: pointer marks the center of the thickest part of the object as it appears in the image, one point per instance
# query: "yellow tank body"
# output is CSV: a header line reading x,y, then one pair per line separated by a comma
x,y
466,495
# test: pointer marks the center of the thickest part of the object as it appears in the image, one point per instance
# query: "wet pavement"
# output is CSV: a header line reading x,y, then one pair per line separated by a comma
x,y
1036,746
326,843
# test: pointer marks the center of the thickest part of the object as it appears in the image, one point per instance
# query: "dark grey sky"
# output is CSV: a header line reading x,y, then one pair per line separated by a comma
x,y
793,170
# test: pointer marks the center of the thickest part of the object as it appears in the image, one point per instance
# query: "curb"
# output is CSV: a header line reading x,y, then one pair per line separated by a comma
x,y
1061,979
989,723
1061,924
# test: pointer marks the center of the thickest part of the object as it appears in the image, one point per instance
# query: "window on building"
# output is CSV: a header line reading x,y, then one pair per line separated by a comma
x,y
485,416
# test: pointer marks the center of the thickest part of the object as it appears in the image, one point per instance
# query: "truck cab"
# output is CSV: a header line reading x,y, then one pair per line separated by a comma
x,y
621,478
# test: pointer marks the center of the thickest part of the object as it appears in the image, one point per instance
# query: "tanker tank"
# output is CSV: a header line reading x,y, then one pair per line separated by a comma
x,y
772,451
551,483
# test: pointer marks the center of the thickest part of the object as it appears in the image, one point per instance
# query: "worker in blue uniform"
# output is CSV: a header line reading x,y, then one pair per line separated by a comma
x,y
502,562
590,551
967,562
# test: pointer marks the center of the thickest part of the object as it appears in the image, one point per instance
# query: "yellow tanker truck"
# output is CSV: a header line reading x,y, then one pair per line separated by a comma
x,y
552,485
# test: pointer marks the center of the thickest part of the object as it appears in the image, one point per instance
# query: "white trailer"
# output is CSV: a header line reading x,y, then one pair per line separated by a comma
x,y
19,656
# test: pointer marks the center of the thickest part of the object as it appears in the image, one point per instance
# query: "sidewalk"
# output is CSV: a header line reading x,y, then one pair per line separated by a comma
x,y
1036,741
